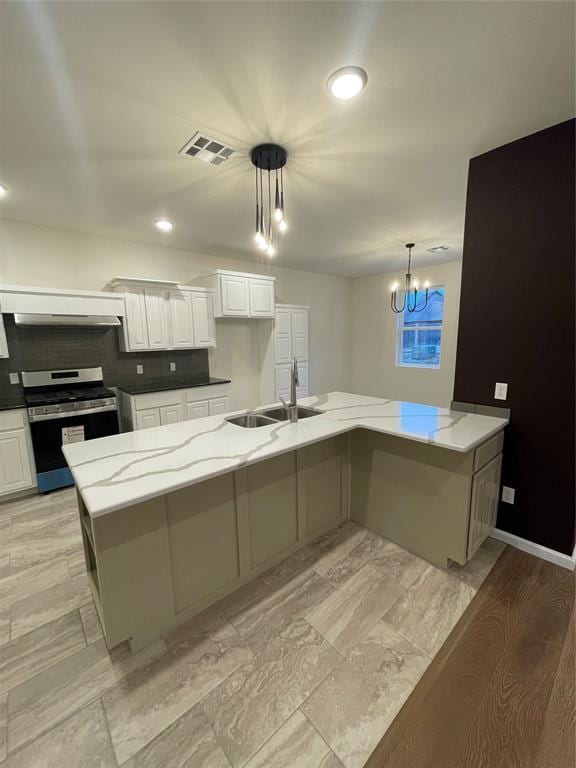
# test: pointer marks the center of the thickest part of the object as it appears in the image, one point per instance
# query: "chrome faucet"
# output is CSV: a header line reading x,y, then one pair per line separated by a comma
x,y
292,407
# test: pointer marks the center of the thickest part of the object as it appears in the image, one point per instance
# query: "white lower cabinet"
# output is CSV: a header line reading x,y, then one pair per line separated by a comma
x,y
17,470
172,414
484,503
218,405
156,409
197,410
148,418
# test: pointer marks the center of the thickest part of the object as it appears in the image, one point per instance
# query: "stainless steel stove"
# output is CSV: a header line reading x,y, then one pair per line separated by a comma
x,y
66,406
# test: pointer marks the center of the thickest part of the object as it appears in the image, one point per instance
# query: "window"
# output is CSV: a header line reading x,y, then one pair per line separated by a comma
x,y
420,333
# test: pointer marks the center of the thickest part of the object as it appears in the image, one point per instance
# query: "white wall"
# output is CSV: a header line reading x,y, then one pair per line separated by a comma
x,y
374,369
43,256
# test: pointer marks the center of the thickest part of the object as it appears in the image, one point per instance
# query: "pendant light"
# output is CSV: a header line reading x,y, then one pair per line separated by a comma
x,y
268,159
410,298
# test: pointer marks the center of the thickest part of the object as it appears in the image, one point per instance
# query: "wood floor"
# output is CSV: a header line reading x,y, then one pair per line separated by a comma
x,y
501,692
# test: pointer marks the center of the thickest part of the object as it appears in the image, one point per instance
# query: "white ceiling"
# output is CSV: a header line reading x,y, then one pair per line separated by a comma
x,y
98,97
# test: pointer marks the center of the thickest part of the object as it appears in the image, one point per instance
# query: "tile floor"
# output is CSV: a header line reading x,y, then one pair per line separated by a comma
x,y
305,667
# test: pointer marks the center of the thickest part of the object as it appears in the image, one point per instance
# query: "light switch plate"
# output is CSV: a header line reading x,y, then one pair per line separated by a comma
x,y
139,368
500,391
172,366
508,494
14,378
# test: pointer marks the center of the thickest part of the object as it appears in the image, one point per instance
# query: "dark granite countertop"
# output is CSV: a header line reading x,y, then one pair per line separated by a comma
x,y
6,405
165,386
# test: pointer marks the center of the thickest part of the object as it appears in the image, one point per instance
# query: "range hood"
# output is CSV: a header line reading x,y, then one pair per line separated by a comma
x,y
66,320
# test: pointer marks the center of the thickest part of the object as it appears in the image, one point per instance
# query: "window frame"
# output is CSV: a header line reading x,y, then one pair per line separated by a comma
x,y
401,328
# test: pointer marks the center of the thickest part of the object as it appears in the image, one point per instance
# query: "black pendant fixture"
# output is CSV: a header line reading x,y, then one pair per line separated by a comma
x,y
268,159
410,299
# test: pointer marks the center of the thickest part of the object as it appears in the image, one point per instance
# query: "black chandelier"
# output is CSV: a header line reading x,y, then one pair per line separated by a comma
x,y
269,159
410,288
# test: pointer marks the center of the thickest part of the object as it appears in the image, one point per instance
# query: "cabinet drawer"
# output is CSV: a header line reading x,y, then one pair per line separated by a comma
x,y
207,393
485,452
13,419
158,399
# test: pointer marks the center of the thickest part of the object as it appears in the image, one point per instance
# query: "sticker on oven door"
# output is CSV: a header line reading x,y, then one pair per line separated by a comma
x,y
73,434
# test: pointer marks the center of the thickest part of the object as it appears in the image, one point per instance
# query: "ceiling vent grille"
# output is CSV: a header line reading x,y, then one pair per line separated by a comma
x,y
437,248
207,149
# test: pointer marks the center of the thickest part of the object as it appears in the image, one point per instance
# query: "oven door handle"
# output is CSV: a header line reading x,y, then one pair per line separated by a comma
x,y
69,414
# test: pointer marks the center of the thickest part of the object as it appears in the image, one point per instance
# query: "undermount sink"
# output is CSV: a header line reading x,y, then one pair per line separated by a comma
x,y
251,421
280,414
271,416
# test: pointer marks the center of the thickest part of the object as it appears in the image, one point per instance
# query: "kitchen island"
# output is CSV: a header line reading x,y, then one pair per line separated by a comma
x,y
176,517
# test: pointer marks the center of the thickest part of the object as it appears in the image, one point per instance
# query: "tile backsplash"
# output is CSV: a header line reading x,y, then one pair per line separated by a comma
x,y
36,348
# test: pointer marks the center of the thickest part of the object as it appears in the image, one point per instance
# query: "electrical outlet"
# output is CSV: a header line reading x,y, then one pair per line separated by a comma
x,y
172,366
139,368
508,494
500,391
14,379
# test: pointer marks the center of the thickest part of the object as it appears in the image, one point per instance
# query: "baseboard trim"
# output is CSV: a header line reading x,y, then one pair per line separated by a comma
x,y
558,558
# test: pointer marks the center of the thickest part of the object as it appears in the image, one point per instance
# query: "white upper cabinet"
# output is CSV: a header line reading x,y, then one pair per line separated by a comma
x,y
3,342
203,318
135,327
166,315
235,294
156,302
240,294
261,297
181,323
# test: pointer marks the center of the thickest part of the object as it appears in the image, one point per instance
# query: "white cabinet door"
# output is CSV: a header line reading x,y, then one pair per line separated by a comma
x,y
157,318
135,327
300,333
203,319
235,295
181,323
302,390
261,298
218,405
197,410
3,342
171,414
484,503
283,336
148,418
15,472
283,378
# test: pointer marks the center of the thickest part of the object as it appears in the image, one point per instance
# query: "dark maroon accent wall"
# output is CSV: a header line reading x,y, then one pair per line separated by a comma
x,y
517,322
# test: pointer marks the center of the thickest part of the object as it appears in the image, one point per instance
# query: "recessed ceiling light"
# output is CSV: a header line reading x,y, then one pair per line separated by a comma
x,y
347,82
3,190
164,225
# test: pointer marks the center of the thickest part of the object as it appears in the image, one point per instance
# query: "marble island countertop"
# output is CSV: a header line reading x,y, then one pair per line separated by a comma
x,y
120,470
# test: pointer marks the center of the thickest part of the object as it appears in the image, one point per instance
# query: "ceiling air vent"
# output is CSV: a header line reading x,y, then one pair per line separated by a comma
x,y
437,248
207,149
